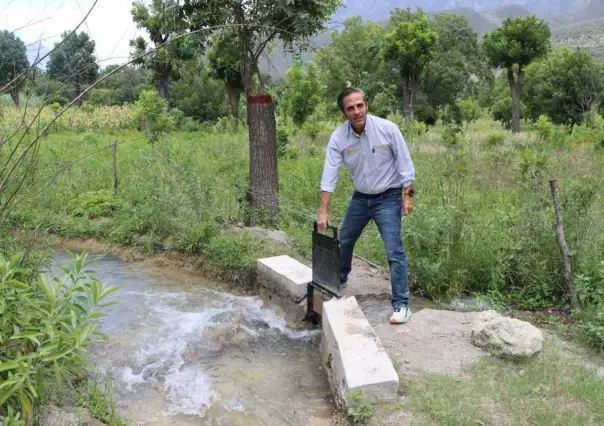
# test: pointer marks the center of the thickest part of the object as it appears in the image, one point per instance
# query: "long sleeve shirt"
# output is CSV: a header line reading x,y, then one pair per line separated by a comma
x,y
377,159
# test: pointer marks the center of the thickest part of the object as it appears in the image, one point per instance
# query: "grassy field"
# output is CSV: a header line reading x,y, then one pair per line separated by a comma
x,y
482,224
549,389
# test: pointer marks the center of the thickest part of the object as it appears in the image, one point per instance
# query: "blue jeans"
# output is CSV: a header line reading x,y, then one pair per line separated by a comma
x,y
386,211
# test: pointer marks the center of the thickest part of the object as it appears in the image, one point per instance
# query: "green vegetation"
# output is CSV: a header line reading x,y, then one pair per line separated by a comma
x,y
550,389
45,328
190,171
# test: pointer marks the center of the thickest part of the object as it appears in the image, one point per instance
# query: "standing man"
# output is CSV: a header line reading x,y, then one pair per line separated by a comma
x,y
375,154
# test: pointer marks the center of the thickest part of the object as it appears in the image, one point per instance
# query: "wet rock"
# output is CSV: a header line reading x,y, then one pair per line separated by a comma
x,y
504,336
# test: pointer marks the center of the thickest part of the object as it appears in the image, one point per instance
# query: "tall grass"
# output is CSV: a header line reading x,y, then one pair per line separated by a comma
x,y
483,219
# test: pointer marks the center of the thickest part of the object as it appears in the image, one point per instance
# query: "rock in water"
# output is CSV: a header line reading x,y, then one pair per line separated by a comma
x,y
504,336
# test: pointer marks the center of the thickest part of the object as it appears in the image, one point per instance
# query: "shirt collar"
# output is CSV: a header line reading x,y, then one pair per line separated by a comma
x,y
367,129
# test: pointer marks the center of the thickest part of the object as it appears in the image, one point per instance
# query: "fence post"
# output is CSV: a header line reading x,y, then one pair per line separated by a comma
x,y
568,266
115,173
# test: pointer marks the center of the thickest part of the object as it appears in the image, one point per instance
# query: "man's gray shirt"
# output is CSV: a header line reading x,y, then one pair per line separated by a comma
x,y
377,159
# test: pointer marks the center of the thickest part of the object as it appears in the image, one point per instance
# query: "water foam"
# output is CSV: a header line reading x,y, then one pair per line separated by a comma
x,y
161,360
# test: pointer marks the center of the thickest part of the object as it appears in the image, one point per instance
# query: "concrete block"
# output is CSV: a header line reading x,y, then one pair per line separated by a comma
x,y
284,276
355,358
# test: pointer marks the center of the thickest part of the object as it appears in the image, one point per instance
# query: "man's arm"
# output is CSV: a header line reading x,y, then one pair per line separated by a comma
x,y
405,168
323,220
403,157
331,169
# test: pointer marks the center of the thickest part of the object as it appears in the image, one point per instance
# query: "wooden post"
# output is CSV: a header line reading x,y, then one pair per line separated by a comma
x,y
568,266
115,174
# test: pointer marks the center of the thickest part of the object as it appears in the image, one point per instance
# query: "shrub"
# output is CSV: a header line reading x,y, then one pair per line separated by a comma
x,y
151,115
495,139
545,129
591,323
45,327
470,111
451,135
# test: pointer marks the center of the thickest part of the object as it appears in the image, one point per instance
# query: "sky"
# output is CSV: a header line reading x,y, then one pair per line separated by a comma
x,y
109,24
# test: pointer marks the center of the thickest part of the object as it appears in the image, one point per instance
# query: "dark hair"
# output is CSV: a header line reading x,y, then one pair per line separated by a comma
x,y
346,92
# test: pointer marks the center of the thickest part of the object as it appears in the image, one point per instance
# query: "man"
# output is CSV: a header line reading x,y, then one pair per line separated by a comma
x,y
376,155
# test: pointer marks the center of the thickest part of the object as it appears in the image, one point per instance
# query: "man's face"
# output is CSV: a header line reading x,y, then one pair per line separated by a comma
x,y
355,109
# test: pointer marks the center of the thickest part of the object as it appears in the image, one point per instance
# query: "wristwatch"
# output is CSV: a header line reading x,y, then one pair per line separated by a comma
x,y
409,191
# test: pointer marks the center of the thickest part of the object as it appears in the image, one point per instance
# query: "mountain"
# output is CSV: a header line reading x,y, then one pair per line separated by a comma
x,y
588,11
485,22
584,34
377,10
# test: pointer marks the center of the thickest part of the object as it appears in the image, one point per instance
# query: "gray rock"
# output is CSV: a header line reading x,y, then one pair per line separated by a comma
x,y
504,336
274,235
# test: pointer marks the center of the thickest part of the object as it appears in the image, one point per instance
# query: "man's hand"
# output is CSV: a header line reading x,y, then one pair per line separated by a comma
x,y
407,205
323,220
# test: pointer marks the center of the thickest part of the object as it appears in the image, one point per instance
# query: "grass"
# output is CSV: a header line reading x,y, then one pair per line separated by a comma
x,y
481,224
549,389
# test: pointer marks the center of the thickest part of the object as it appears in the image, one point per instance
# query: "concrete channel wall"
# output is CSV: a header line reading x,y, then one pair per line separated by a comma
x,y
358,367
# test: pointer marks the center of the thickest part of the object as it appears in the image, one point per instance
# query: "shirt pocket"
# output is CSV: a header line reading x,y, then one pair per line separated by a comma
x,y
382,155
352,157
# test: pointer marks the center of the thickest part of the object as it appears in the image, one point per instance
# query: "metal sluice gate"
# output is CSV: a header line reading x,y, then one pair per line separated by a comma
x,y
325,268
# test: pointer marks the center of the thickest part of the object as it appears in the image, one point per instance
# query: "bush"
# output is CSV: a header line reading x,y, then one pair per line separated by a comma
x,y
495,139
591,323
151,115
45,327
545,129
451,135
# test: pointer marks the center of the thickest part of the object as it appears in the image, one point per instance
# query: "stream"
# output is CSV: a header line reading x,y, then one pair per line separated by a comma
x,y
181,352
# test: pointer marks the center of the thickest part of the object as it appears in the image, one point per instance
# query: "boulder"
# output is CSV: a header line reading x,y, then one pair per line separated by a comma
x,y
504,336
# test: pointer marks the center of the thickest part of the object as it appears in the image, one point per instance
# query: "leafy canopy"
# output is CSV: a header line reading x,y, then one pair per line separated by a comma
x,y
519,41
74,61
13,57
410,44
563,86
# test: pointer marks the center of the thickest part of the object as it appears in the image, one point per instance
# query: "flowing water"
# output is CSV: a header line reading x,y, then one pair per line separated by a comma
x,y
183,353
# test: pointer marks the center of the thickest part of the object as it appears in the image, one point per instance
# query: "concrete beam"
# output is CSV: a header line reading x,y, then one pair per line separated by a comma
x,y
284,276
357,363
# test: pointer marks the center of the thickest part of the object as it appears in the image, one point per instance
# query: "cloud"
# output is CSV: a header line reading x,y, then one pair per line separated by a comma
x,y
109,24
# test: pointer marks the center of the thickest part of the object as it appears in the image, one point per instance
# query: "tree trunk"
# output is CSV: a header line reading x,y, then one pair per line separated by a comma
x,y
234,95
516,88
78,92
414,90
408,97
14,94
263,191
163,83
566,257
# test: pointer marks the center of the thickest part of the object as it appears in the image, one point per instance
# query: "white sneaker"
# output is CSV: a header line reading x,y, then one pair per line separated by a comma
x,y
401,315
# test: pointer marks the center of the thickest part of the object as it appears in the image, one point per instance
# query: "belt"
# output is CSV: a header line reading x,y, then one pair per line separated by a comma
x,y
379,194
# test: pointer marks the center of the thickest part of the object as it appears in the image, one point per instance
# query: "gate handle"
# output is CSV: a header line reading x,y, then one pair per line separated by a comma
x,y
333,228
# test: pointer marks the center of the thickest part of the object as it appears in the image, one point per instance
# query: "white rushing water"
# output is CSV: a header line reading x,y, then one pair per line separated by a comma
x,y
182,353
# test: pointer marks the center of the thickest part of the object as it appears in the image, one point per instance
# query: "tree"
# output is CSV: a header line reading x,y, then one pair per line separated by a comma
x,y
458,66
197,94
163,21
13,60
73,62
352,57
409,46
122,87
257,24
513,47
225,65
302,92
563,86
